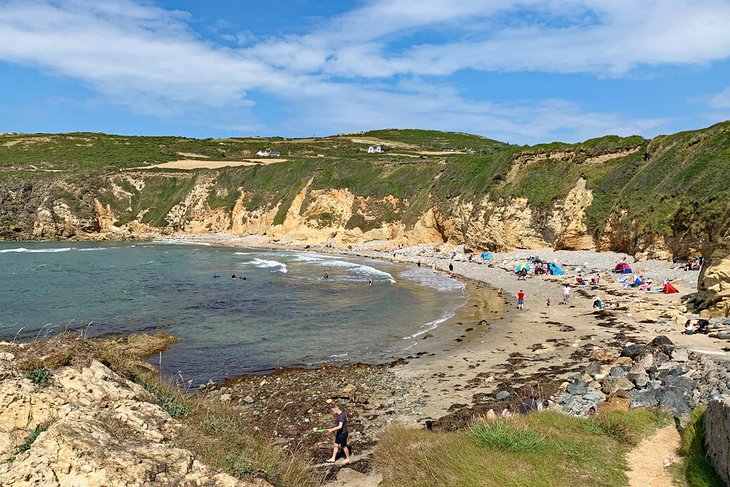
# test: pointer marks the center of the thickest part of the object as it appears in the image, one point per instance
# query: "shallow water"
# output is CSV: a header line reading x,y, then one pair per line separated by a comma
x,y
284,314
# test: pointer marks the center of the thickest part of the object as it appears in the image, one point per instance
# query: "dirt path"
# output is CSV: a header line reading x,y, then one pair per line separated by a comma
x,y
648,462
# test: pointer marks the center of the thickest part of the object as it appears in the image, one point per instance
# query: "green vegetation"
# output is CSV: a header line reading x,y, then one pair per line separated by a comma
x,y
32,436
698,471
39,375
541,449
674,185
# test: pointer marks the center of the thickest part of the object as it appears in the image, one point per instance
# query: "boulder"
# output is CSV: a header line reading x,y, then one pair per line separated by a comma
x,y
646,361
577,388
680,355
674,402
643,399
633,351
660,340
611,385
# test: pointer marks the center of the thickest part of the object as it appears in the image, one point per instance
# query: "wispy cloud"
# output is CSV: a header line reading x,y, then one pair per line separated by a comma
x,y
366,68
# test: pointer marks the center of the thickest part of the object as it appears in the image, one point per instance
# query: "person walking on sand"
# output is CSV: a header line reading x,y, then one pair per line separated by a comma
x,y
370,282
566,294
521,299
340,431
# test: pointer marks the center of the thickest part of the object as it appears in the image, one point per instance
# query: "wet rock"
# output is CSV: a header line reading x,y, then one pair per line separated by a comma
x,y
614,384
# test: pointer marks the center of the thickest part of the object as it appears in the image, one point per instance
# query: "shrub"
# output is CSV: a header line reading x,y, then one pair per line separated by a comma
x,y
39,376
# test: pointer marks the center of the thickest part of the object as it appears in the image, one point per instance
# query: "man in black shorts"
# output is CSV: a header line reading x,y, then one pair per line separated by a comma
x,y
340,431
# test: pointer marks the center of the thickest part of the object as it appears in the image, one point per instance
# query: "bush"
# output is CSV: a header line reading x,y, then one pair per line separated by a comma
x,y
508,438
39,376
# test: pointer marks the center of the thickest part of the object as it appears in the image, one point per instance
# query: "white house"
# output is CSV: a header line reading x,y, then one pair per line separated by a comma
x,y
374,149
268,153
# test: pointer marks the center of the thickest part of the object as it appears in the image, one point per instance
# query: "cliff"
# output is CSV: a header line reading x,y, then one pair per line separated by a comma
x,y
656,198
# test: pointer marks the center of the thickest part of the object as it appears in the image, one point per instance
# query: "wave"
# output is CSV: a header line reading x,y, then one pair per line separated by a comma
x,y
431,325
267,264
428,278
361,269
23,250
174,241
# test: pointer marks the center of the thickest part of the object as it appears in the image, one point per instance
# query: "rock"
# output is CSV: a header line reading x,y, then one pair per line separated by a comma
x,y
348,477
491,415
502,395
611,385
660,341
248,400
594,397
348,391
225,397
577,388
593,368
643,399
623,362
713,282
617,372
680,355
717,437
603,355
646,361
674,402
633,351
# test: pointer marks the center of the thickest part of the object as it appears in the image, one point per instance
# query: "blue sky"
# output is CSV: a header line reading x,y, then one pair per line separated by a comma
x,y
522,71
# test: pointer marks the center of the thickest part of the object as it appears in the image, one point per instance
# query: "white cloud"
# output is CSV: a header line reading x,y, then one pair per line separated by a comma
x,y
721,100
363,68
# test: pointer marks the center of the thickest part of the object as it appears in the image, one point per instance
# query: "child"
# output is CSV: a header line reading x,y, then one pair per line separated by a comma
x,y
521,299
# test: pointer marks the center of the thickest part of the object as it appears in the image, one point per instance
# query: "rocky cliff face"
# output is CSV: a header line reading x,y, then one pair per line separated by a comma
x,y
110,209
96,428
714,281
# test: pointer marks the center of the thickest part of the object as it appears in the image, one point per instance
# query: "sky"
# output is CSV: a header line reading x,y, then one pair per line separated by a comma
x,y
520,71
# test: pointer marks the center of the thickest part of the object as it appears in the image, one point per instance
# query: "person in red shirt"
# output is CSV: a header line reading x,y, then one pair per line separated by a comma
x,y
521,299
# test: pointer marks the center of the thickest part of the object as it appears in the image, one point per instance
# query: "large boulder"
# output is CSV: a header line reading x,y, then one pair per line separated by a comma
x,y
717,437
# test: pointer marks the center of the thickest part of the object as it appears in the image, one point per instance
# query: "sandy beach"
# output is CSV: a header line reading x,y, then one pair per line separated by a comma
x,y
489,354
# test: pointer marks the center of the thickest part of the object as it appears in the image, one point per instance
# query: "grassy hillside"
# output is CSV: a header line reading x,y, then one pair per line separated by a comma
x,y
675,185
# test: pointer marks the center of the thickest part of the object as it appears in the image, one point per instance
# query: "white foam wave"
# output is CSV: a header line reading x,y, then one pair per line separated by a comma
x,y
23,250
426,277
174,241
267,264
360,269
431,325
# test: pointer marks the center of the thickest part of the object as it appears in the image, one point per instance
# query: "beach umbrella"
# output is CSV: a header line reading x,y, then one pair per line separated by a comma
x,y
522,266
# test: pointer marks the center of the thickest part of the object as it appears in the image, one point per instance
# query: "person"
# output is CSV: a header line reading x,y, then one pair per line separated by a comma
x,y
521,299
233,276
689,328
566,294
419,263
370,282
547,304
597,303
326,275
580,280
340,431
451,267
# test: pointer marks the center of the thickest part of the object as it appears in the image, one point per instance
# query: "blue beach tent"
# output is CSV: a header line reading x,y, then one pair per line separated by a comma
x,y
486,255
638,282
555,269
622,268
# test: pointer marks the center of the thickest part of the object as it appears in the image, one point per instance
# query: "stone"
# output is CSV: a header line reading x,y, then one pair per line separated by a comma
x,y
594,397
633,351
593,368
643,399
674,402
502,395
646,361
717,436
491,415
225,397
611,385
617,372
623,362
660,340
680,355
348,391
603,355
577,388
248,400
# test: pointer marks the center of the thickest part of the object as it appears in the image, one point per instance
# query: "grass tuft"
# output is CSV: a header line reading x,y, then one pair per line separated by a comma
x,y
509,438
32,436
39,376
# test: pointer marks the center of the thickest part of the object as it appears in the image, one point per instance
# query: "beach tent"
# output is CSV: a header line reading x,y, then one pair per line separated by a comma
x,y
638,282
555,269
669,289
622,268
486,255
522,266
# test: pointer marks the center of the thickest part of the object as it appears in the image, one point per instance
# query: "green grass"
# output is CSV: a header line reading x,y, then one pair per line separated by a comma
x,y
698,471
40,376
541,450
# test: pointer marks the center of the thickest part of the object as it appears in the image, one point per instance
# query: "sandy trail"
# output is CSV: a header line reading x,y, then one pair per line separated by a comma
x,y
208,164
650,461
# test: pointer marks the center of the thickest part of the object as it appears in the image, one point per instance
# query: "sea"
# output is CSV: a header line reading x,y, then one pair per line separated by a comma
x,y
278,311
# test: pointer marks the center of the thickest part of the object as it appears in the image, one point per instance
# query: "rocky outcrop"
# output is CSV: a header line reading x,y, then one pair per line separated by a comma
x,y
717,437
714,282
96,428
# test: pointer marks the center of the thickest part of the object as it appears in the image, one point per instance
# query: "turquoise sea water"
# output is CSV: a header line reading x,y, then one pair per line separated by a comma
x,y
284,314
